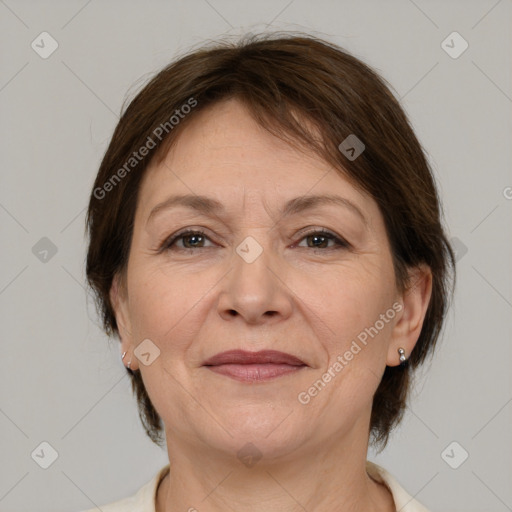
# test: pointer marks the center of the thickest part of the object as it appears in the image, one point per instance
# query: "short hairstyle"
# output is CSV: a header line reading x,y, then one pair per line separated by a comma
x,y
283,80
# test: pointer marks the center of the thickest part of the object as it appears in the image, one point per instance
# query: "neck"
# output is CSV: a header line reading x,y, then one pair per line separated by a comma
x,y
320,478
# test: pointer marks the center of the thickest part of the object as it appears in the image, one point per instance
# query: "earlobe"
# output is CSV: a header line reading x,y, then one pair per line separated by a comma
x,y
415,300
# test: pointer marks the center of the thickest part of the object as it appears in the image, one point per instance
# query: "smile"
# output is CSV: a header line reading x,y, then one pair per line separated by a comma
x,y
254,366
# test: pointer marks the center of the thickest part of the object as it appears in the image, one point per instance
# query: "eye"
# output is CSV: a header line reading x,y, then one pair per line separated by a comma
x,y
186,240
196,239
320,239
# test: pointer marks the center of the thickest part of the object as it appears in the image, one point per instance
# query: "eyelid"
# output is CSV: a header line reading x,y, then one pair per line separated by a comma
x,y
170,241
338,239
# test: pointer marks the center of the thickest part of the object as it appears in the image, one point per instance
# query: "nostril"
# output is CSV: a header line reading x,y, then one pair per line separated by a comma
x,y
232,312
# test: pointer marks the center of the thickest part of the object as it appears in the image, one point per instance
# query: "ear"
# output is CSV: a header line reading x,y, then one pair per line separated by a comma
x,y
119,300
415,300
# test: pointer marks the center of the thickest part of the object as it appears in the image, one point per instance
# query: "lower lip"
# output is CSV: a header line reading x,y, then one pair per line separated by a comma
x,y
254,372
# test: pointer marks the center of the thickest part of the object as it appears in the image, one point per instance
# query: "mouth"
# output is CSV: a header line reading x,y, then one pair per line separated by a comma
x,y
254,366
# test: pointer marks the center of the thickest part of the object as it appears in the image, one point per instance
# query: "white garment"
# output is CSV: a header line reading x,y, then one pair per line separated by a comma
x,y
144,500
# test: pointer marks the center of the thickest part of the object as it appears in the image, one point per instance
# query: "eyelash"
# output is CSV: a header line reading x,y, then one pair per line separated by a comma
x,y
168,244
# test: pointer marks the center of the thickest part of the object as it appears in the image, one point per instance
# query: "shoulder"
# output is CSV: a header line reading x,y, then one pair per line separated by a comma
x,y
403,501
142,501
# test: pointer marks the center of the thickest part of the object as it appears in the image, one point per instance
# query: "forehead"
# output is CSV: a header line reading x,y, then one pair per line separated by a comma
x,y
223,152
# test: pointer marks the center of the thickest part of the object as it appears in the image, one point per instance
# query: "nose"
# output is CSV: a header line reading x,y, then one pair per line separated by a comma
x,y
255,291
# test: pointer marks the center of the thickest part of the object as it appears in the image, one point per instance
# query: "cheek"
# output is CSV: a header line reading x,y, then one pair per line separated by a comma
x,y
356,341
152,300
349,299
164,306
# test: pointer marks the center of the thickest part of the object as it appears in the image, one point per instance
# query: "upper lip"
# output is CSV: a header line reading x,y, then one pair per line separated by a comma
x,y
261,357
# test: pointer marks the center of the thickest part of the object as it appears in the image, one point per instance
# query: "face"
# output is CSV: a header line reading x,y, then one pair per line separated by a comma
x,y
250,262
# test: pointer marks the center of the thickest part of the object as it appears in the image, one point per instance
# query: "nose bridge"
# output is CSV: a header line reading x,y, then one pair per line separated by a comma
x,y
251,262
253,289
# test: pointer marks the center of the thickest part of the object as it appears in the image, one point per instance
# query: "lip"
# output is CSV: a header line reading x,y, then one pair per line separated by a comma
x,y
261,357
254,366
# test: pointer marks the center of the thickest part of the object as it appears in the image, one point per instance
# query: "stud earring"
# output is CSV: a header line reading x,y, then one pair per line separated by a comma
x,y
403,359
129,362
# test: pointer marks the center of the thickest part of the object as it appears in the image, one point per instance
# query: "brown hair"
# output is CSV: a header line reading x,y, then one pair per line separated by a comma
x,y
282,79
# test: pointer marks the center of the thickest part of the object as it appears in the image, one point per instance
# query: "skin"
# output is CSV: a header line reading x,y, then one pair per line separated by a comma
x,y
199,297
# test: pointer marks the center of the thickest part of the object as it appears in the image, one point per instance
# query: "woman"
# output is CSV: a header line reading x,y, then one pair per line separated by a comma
x,y
265,240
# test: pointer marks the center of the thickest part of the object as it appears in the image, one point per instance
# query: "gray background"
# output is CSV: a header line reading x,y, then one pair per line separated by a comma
x,y
61,379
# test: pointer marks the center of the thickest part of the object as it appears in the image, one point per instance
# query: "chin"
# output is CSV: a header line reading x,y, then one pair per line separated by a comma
x,y
266,429
250,447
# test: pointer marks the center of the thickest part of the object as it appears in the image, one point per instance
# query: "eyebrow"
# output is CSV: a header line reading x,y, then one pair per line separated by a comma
x,y
210,206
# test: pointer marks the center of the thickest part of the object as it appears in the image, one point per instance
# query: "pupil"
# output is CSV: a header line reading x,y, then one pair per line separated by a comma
x,y
193,238
316,237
